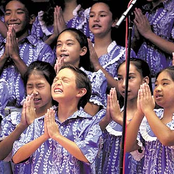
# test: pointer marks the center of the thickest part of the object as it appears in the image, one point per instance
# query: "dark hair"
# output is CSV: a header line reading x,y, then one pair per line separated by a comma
x,y
29,5
48,16
82,81
142,67
82,39
44,68
169,70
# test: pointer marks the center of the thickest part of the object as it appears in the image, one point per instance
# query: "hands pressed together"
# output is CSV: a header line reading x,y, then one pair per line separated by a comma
x,y
145,102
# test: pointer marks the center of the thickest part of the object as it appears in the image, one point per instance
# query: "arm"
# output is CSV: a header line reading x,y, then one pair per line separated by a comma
x,y
7,144
94,59
3,29
112,110
133,128
145,30
59,25
69,145
12,51
28,149
164,134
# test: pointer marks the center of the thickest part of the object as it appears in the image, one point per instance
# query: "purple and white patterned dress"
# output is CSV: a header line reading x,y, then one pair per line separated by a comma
x,y
108,159
51,157
79,21
157,157
29,50
161,19
115,56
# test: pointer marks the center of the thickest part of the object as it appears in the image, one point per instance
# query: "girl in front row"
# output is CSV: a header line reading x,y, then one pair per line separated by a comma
x,y
66,141
38,80
109,158
158,124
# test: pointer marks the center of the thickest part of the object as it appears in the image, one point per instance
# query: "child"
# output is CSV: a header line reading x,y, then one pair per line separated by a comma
x,y
38,80
19,50
66,141
72,48
139,73
59,15
153,34
157,126
105,54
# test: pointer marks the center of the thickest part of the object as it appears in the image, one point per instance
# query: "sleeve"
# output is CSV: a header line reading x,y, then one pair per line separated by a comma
x,y
99,86
90,144
47,55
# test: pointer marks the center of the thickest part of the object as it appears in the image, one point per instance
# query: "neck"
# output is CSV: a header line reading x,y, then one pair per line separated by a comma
x,y
65,112
101,45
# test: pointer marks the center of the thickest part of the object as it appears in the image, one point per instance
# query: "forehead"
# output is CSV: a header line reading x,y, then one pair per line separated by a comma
x,y
66,72
67,35
164,75
100,7
15,5
132,68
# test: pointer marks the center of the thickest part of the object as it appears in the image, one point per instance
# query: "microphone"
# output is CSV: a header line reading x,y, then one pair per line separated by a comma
x,y
125,14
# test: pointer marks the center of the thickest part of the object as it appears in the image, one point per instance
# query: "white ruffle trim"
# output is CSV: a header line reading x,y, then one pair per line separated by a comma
x,y
143,131
113,132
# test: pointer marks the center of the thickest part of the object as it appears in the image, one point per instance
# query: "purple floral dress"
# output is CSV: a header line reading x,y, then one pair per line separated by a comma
x,y
161,20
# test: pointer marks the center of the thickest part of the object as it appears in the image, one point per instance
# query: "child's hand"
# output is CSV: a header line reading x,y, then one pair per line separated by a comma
x,y
146,101
114,106
51,125
59,63
30,109
11,47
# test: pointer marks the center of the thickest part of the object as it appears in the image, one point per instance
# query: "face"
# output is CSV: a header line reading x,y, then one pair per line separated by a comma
x,y
69,48
16,15
135,80
163,91
38,85
64,86
100,21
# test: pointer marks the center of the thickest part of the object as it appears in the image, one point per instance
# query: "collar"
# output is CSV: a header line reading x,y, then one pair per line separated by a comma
x,y
111,46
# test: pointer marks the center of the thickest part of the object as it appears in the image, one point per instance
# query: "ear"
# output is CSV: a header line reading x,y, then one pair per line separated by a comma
x,y
81,92
32,18
114,22
83,51
146,80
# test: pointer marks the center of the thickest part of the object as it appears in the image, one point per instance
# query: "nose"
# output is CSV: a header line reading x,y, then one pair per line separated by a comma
x,y
63,47
35,92
13,17
96,18
157,88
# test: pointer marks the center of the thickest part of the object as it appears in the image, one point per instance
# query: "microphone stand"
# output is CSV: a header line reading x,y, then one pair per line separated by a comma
x,y
122,150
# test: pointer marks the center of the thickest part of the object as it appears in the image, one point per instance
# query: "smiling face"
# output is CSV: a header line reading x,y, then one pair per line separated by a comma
x,y
100,21
69,48
164,90
135,80
16,15
39,86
